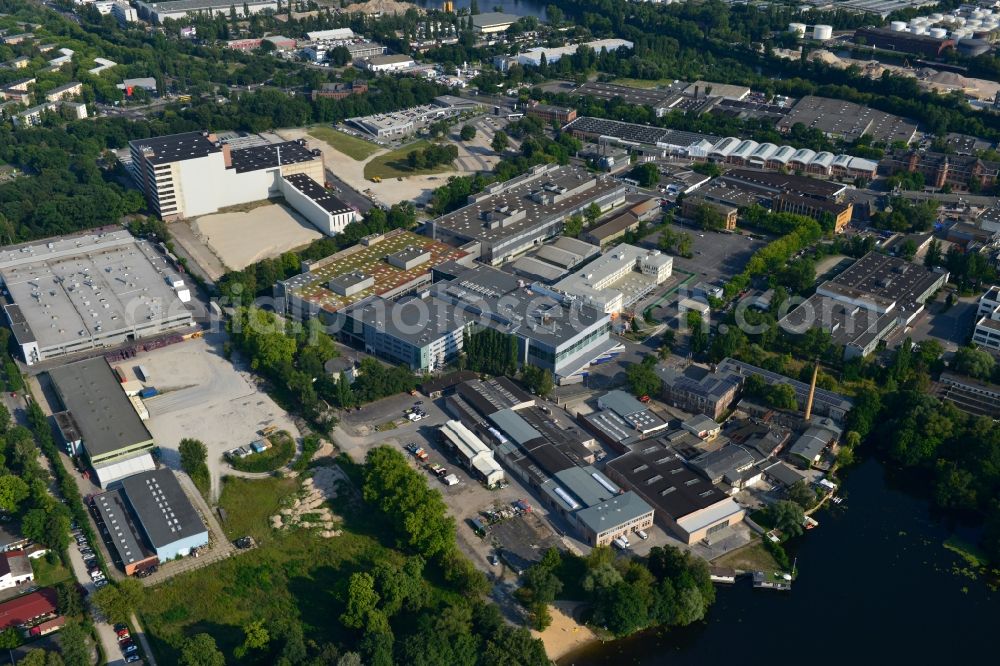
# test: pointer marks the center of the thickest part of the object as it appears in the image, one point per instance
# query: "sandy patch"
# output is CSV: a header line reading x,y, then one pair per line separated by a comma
x,y
352,172
564,635
240,239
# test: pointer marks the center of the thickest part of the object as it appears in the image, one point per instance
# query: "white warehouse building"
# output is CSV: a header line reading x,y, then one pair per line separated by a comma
x,y
473,452
617,279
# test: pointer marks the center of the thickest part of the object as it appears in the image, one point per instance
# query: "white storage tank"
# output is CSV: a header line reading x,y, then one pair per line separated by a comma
x,y
920,30
798,28
973,23
822,32
898,26
938,33
936,17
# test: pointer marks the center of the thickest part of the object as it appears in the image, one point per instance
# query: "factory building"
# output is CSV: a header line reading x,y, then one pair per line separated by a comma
x,y
489,23
158,12
191,174
618,279
507,219
75,293
475,455
317,204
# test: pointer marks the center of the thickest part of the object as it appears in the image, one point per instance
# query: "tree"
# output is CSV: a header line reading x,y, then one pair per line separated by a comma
x,y
117,602
933,256
500,142
76,648
973,362
709,218
194,455
802,494
538,380
646,174
48,526
9,639
591,213
362,601
468,133
642,378
13,491
201,650
69,603
786,516
255,637
573,225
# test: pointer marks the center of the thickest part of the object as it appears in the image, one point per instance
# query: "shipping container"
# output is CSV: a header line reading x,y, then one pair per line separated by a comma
x,y
144,371
148,392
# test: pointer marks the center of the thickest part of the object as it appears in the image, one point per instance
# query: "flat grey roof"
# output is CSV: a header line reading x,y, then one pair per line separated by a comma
x,y
92,394
122,530
418,321
488,19
164,511
847,119
77,287
616,511
271,155
317,193
175,147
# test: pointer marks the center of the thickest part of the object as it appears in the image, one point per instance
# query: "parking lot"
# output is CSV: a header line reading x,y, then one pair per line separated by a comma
x,y
204,396
951,326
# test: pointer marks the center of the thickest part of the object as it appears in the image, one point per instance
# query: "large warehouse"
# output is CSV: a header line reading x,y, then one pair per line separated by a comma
x,y
196,173
75,293
150,519
507,219
111,434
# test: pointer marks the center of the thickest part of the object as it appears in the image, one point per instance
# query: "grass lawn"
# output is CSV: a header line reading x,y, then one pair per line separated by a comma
x,y
752,557
394,164
47,574
353,147
643,83
280,454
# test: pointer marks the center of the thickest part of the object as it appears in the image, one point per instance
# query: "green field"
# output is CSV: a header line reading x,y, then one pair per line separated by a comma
x,y
643,83
48,574
394,164
292,576
353,147
280,454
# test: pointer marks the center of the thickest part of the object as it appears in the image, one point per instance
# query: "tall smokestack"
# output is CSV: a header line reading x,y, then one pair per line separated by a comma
x,y
812,392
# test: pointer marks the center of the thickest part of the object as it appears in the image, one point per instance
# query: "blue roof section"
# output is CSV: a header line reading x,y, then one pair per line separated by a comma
x,y
614,512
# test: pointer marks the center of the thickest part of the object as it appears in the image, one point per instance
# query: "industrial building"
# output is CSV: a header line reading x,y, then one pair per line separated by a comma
x,y
987,330
534,56
621,420
660,100
191,174
552,114
959,172
633,134
387,63
864,304
824,403
685,503
507,219
731,468
970,395
489,23
927,46
555,334
811,444
158,12
475,455
317,204
610,231
553,457
397,124
150,520
554,259
76,293
848,121
15,569
699,390
112,437
340,90
771,157
387,265
618,279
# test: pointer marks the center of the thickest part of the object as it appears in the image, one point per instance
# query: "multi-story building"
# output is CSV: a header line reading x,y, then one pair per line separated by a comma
x,y
340,90
824,403
158,12
549,113
987,330
317,204
940,169
124,13
387,63
699,390
507,219
71,89
191,174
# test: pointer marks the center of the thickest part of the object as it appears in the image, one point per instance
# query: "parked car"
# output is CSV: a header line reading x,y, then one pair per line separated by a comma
x,y
100,582
131,658
642,534
130,648
121,627
123,635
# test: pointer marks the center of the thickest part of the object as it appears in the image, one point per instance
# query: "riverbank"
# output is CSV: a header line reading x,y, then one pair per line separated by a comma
x,y
565,634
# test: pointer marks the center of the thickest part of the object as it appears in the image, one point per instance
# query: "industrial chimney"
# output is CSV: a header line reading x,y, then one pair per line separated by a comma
x,y
812,392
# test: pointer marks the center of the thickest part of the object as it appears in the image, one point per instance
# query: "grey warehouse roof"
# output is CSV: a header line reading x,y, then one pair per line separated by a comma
x,y
317,193
271,155
95,398
165,512
176,147
123,532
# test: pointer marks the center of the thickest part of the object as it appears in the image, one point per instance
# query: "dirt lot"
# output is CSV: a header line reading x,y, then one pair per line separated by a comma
x,y
204,396
242,238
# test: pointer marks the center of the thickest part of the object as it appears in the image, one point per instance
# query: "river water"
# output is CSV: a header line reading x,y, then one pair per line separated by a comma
x,y
519,7
875,586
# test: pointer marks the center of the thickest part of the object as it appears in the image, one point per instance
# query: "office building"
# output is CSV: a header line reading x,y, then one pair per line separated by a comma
x,y
610,231
958,172
554,334
388,63
340,90
548,113
191,174
618,279
684,502
75,293
848,121
865,303
112,436
124,13
507,219
699,390
387,265
158,12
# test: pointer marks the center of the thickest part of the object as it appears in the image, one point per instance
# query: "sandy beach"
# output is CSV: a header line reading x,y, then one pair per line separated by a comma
x,y
564,635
